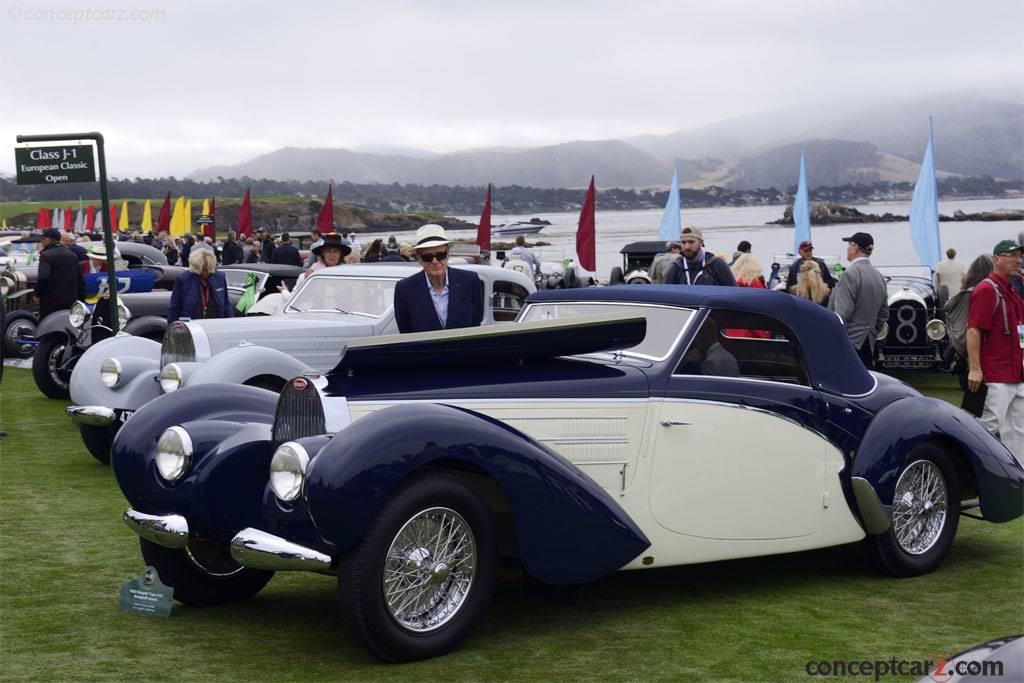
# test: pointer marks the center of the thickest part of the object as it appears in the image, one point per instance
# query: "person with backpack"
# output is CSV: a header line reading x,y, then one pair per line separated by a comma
x,y
956,309
694,266
995,347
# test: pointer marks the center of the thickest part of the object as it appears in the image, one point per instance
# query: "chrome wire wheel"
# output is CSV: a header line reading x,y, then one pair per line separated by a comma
x,y
429,569
920,507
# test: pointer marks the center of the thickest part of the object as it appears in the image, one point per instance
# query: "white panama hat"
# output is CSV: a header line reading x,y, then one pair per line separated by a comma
x,y
98,250
430,235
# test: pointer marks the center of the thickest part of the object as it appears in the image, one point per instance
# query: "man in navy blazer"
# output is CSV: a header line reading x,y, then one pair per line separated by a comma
x,y
438,297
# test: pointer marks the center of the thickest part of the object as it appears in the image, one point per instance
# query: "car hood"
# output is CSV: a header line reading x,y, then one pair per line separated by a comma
x,y
284,332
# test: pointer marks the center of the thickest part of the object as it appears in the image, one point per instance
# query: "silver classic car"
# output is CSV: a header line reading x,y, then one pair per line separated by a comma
x,y
116,377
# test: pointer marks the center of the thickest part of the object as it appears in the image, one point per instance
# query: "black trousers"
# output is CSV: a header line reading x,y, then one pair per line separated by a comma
x,y
867,355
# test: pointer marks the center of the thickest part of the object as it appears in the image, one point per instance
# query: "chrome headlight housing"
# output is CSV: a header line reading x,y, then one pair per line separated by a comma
x,y
288,471
935,329
78,314
170,378
110,372
883,332
173,453
123,314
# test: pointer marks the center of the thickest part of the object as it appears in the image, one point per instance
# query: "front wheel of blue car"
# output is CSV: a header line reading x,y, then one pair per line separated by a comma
x,y
925,515
424,572
204,573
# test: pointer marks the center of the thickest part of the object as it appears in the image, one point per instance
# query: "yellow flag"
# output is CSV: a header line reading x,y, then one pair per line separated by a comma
x,y
4,224
188,215
122,220
147,217
178,218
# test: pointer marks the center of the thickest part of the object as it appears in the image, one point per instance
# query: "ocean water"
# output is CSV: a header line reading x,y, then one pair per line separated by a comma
x,y
725,227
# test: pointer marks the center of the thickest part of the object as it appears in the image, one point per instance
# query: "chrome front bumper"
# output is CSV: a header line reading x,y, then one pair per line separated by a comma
x,y
260,550
93,416
170,531
249,548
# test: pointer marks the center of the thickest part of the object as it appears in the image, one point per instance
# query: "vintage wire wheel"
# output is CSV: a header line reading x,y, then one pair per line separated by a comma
x,y
920,507
429,569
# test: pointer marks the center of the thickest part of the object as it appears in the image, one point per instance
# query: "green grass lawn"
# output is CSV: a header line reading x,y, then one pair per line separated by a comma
x,y
64,553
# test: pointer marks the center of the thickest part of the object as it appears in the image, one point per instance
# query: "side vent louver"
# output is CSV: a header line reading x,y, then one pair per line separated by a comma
x,y
300,412
177,346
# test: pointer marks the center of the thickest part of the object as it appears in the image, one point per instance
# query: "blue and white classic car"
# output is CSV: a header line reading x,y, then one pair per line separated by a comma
x,y
610,428
116,377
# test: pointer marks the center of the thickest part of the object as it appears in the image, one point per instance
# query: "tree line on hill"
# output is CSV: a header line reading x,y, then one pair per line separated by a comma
x,y
507,199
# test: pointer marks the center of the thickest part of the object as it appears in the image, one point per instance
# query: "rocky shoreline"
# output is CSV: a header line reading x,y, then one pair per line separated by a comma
x,y
831,213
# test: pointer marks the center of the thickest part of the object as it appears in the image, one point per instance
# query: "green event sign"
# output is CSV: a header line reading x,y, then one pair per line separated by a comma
x,y
146,594
55,165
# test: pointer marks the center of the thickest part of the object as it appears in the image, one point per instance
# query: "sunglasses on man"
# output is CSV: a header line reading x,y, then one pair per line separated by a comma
x,y
440,256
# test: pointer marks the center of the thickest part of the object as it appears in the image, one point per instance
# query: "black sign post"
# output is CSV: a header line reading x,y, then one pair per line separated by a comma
x,y
55,165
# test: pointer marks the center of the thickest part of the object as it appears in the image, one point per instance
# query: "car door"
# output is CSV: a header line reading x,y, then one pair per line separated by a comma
x,y
737,453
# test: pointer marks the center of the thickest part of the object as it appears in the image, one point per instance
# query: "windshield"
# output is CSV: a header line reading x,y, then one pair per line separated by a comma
x,y
664,324
366,296
237,278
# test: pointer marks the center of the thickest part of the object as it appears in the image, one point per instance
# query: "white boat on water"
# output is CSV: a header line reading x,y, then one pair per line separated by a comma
x,y
518,229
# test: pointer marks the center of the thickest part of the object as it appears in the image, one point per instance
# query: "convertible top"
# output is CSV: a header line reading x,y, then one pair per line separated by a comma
x,y
832,361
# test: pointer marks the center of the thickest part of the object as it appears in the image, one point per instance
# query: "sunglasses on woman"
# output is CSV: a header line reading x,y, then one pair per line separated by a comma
x,y
440,256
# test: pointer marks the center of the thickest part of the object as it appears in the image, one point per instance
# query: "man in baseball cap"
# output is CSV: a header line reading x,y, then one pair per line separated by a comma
x,y
995,347
59,282
438,297
695,266
861,297
806,250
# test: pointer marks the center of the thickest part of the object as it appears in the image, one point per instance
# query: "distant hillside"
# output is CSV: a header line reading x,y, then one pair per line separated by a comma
x,y
845,143
566,165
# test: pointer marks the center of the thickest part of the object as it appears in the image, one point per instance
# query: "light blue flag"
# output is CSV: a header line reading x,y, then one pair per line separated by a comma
x,y
924,210
670,221
801,210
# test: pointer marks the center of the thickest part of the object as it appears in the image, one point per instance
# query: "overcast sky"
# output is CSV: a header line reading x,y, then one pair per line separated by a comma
x,y
174,86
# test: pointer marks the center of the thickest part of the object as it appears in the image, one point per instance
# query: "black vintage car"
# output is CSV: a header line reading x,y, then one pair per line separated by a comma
x,y
915,335
636,261
64,336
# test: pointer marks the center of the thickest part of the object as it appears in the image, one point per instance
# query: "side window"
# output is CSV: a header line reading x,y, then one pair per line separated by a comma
x,y
749,345
507,300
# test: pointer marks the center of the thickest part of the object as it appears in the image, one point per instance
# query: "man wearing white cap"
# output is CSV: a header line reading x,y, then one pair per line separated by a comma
x,y
439,297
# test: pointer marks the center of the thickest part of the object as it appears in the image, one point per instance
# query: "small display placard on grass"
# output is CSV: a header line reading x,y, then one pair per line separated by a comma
x,y
146,594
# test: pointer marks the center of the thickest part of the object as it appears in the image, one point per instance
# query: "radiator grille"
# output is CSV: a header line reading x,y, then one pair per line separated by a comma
x,y
177,346
300,412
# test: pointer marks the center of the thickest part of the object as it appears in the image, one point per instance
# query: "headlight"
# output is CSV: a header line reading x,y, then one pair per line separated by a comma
x,y
78,314
288,470
110,373
935,329
884,332
5,286
170,378
173,453
123,314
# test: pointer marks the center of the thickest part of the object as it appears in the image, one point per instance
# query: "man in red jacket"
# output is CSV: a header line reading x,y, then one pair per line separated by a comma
x,y
995,347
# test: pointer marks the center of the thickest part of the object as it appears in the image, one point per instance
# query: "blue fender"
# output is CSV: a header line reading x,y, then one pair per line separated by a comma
x,y
222,490
907,422
568,529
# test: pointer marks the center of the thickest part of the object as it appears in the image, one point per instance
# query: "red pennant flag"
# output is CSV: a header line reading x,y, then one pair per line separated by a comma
x,y
90,218
245,216
586,241
325,221
483,232
163,221
43,221
69,219
113,217
209,229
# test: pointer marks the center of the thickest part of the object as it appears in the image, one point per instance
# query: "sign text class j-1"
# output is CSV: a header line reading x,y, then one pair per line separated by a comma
x,y
55,165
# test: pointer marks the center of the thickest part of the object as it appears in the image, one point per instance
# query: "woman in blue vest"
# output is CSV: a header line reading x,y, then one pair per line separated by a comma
x,y
200,292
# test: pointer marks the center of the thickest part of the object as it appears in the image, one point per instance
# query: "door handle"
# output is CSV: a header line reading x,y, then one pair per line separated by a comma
x,y
675,423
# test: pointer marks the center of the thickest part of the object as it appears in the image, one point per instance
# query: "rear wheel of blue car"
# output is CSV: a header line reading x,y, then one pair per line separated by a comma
x,y
925,515
204,573
424,572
